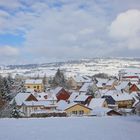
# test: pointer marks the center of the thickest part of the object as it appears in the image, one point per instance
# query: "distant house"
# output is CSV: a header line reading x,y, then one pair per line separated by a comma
x,y
134,88
61,93
123,100
77,81
110,102
35,84
123,86
76,109
73,96
110,84
31,107
21,97
97,102
102,111
100,83
83,99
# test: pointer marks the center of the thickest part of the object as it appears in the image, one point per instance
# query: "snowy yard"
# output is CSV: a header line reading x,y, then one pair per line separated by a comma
x,y
86,128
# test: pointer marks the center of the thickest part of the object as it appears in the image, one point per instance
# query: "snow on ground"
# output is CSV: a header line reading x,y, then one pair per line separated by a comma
x,y
84,128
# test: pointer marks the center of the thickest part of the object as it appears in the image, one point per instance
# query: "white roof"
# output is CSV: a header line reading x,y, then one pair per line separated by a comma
x,y
62,105
78,78
20,98
38,103
96,102
73,96
33,81
122,85
122,97
110,82
100,111
81,97
84,88
56,90
42,96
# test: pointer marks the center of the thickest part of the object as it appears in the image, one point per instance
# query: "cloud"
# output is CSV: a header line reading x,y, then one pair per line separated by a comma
x,y
8,51
60,29
126,29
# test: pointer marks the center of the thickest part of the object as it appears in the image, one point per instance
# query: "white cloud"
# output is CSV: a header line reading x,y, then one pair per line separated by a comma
x,y
10,4
8,51
126,29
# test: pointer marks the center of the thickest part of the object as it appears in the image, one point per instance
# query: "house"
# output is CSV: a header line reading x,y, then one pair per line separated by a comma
x,y
62,105
30,107
97,102
77,81
21,97
43,96
61,93
123,100
76,109
35,84
110,102
102,111
123,86
110,84
101,83
134,88
129,74
83,99
72,97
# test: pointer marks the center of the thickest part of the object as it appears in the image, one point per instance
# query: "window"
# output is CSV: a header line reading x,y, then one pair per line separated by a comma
x,y
74,112
28,86
81,112
34,86
37,87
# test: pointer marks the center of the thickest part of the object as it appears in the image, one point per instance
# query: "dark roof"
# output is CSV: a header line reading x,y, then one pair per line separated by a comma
x,y
109,99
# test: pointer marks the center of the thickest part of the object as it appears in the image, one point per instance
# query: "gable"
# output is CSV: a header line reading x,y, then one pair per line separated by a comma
x,y
31,98
78,106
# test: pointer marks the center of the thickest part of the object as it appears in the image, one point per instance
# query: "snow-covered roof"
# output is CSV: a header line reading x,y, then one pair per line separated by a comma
x,y
100,111
84,88
79,79
20,98
101,82
122,97
122,85
81,97
110,82
43,96
33,81
38,103
73,104
73,96
62,105
56,90
96,102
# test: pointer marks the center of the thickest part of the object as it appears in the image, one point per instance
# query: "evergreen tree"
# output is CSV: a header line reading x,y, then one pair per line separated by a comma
x,y
59,79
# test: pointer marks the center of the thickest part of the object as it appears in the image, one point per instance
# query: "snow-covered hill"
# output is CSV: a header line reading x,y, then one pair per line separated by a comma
x,y
89,67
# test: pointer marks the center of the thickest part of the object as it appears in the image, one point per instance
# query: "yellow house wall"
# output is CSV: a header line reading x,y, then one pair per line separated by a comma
x,y
34,86
127,104
78,108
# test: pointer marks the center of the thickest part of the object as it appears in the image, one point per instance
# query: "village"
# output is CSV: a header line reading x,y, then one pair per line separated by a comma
x,y
78,96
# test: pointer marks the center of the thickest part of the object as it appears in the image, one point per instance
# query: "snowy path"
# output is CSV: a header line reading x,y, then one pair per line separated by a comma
x,y
93,128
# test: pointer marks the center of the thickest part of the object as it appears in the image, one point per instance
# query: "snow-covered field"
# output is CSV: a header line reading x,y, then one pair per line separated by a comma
x,y
86,128
89,67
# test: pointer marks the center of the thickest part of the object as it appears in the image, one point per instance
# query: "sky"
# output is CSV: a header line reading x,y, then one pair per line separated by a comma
x,y
38,31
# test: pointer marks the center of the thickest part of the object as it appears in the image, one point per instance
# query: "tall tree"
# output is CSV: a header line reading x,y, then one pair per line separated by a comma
x,y
59,79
